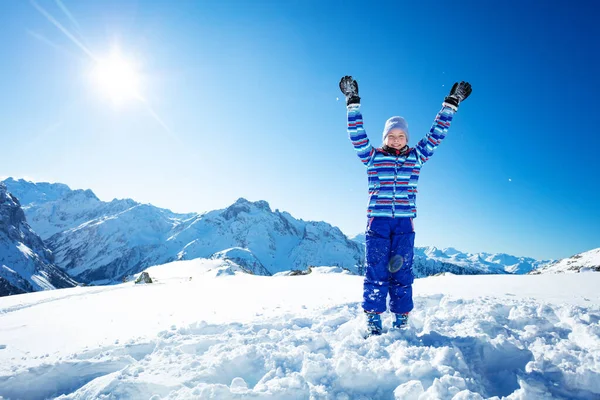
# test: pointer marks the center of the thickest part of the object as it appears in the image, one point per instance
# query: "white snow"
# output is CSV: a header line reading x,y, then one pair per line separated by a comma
x,y
8,269
196,333
41,280
25,250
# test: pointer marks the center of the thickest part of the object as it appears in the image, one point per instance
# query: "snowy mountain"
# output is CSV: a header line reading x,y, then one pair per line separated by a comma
x,y
430,261
278,241
204,332
30,193
360,238
52,208
26,264
582,262
101,242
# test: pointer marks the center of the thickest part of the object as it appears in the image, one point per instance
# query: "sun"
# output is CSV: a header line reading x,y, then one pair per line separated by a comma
x,y
117,77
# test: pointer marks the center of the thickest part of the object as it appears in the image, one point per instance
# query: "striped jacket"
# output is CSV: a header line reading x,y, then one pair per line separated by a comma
x,y
393,179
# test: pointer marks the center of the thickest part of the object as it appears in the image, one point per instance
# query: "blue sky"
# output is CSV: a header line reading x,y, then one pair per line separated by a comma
x,y
240,99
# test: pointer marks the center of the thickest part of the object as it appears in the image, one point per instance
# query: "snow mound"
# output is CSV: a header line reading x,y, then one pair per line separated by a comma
x,y
315,271
243,258
198,268
329,270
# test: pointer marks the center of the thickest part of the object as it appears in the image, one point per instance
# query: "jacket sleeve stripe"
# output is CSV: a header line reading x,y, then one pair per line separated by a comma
x,y
437,133
358,135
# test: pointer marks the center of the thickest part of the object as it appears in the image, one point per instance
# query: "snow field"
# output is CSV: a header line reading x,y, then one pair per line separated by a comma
x,y
302,338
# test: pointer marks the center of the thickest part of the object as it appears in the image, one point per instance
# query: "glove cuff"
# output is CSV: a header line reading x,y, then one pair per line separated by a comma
x,y
452,102
452,106
352,100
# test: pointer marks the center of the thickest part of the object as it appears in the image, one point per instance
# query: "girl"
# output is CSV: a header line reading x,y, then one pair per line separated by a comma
x,y
393,173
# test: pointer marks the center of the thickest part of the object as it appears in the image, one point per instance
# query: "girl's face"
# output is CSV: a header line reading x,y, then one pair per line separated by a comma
x,y
396,139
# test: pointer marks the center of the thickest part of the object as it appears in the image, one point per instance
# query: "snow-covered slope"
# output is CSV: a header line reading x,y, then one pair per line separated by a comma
x,y
99,242
112,246
244,259
587,261
199,333
26,264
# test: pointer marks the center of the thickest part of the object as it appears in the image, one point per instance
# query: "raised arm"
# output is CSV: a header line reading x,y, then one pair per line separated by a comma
x,y
358,135
437,133
356,130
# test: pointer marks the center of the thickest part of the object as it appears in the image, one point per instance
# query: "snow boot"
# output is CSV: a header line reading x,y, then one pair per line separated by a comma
x,y
401,321
374,325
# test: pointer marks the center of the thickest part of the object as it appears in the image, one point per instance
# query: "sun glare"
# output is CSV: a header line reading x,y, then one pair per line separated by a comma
x,y
118,78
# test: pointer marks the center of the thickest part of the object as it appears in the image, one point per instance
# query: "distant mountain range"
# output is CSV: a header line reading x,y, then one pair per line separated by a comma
x,y
97,242
431,261
588,261
103,242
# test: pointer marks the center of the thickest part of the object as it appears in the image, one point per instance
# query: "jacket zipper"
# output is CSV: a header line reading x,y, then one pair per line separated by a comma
x,y
395,182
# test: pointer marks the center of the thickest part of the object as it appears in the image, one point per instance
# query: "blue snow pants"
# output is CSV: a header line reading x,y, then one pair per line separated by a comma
x,y
390,250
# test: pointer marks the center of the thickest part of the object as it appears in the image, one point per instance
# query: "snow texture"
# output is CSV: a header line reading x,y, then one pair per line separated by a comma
x,y
198,333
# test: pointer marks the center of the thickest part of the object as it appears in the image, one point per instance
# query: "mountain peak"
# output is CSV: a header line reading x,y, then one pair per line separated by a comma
x,y
261,204
244,206
433,251
30,193
450,251
10,208
82,193
24,182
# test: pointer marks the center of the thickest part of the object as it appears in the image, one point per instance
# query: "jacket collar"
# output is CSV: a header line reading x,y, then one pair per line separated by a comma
x,y
395,152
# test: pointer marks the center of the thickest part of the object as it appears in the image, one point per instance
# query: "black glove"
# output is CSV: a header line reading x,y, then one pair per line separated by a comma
x,y
349,87
458,93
